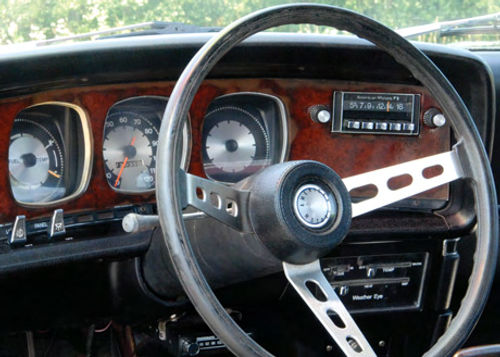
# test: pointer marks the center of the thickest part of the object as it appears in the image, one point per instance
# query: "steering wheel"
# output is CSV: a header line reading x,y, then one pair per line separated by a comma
x,y
267,203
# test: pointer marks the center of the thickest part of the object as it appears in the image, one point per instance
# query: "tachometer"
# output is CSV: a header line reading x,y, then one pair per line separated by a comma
x,y
36,163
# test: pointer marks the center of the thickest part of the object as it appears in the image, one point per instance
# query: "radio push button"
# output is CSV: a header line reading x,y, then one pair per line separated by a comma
x,y
395,126
353,124
367,125
381,126
408,126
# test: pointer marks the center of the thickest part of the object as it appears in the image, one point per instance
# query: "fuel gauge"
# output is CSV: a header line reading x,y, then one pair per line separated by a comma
x,y
36,163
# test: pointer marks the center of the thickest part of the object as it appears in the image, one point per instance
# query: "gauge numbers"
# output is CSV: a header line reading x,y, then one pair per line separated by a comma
x,y
235,144
36,163
129,150
130,143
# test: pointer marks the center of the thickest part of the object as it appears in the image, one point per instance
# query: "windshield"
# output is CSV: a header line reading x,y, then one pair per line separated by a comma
x,y
38,20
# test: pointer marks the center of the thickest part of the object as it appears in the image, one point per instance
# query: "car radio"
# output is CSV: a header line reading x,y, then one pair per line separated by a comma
x,y
376,113
378,283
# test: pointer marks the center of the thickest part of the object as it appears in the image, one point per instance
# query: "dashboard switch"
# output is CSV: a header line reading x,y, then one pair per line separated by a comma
x,y
343,290
370,272
18,235
57,226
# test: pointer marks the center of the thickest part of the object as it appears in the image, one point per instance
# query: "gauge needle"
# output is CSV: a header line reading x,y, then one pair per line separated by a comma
x,y
123,165
55,174
121,171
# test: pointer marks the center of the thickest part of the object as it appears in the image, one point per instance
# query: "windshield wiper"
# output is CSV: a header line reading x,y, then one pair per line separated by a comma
x,y
486,24
141,29
162,28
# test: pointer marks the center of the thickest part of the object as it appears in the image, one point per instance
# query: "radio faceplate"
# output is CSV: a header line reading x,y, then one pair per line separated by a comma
x,y
378,283
376,113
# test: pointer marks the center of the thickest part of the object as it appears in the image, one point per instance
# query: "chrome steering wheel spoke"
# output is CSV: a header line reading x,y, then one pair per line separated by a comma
x,y
447,162
312,286
224,203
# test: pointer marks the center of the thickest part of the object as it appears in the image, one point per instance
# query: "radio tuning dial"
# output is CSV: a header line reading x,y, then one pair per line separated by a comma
x,y
320,114
434,118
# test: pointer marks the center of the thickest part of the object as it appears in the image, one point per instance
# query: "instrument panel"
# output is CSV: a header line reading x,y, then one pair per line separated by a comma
x,y
236,127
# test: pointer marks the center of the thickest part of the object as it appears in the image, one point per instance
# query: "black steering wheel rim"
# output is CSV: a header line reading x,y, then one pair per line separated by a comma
x,y
473,157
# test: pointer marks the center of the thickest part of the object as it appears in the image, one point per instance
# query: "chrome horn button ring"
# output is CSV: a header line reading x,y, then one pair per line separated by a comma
x,y
313,206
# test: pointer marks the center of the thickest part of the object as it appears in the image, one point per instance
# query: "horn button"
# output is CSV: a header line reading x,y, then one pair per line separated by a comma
x,y
313,206
299,209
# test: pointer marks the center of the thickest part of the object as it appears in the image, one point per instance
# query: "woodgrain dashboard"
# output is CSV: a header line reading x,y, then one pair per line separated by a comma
x,y
347,154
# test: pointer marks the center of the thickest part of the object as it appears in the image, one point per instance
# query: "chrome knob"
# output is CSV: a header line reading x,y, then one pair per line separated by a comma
x,y
434,118
323,116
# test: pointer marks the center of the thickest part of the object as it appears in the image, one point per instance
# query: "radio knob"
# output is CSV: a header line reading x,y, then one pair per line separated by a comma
x,y
320,114
323,116
434,118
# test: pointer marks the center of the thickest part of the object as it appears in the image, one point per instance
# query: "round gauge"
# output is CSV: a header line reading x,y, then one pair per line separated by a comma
x,y
130,143
235,144
36,164
129,149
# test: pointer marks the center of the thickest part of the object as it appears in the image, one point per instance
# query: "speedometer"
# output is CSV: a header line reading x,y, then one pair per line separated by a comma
x,y
130,143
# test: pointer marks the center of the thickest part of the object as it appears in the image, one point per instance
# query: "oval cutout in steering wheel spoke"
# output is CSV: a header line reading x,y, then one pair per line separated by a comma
x,y
451,171
217,200
344,331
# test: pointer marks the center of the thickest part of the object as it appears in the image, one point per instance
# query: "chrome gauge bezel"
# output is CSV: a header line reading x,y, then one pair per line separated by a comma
x,y
283,120
88,157
186,147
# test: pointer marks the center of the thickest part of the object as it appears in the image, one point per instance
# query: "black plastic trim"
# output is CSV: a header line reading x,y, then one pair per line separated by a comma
x,y
31,257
